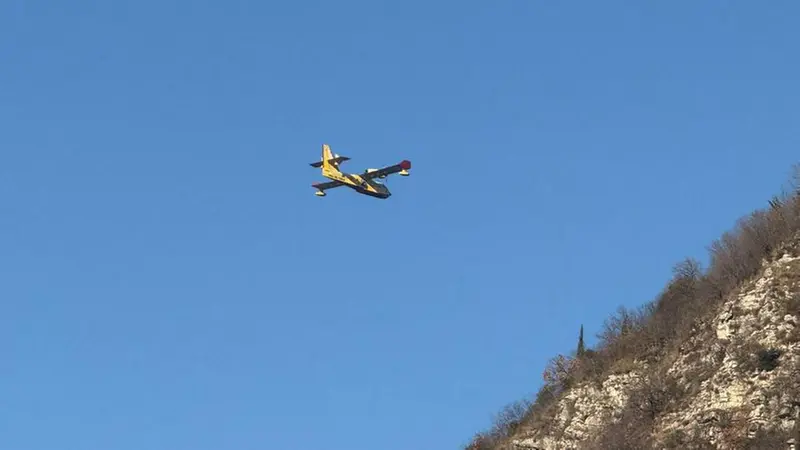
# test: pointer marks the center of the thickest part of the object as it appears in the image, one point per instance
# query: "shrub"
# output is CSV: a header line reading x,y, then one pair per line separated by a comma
x,y
508,420
482,441
558,372
793,305
679,439
648,399
504,425
768,359
745,353
751,357
768,439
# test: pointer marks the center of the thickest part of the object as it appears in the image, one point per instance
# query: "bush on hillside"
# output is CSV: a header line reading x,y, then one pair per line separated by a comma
x,y
505,424
650,397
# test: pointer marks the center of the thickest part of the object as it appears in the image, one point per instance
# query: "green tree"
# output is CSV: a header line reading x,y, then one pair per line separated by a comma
x,y
581,346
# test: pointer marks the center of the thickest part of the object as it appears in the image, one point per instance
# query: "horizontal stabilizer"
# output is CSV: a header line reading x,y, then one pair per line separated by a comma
x,y
336,160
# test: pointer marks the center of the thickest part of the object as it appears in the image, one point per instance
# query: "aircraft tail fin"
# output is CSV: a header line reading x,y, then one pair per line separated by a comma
x,y
329,161
327,156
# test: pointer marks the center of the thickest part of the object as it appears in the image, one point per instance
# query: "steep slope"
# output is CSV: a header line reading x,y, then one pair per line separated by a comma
x,y
712,362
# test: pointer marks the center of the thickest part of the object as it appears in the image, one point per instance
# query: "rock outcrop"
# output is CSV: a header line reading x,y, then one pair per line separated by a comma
x,y
739,374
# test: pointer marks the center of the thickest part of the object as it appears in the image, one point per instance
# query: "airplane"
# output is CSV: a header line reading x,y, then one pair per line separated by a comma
x,y
366,183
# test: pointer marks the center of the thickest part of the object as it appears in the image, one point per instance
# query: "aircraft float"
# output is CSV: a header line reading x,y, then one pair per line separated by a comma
x,y
366,183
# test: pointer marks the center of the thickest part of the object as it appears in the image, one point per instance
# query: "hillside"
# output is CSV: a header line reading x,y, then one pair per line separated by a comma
x,y
712,362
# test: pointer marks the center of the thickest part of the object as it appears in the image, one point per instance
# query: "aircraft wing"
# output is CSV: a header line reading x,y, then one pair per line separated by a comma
x,y
403,165
327,185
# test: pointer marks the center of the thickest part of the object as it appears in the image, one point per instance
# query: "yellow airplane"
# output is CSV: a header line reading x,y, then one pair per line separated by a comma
x,y
366,183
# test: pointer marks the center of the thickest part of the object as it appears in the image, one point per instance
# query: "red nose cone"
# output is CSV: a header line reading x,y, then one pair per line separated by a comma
x,y
405,164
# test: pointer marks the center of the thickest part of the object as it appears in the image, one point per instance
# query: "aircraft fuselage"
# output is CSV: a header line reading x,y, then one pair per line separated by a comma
x,y
366,187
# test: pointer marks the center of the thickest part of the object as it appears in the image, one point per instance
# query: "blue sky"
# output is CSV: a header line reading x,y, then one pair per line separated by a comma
x,y
169,280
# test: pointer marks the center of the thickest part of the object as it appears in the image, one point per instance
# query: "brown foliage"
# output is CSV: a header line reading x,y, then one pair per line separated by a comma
x,y
752,357
793,305
649,398
505,424
768,439
482,441
682,440
510,418
558,371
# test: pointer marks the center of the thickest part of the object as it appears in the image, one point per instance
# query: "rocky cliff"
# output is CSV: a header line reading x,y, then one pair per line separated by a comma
x,y
712,363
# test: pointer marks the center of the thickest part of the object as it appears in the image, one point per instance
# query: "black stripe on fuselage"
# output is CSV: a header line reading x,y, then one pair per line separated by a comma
x,y
361,190
383,191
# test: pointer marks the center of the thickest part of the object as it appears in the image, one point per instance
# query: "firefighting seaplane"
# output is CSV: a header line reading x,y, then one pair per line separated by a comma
x,y
367,183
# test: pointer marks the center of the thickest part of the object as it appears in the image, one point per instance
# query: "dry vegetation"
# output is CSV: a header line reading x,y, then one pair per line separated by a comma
x,y
651,333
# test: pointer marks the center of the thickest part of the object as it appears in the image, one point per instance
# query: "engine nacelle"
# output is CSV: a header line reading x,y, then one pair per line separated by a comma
x,y
375,170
